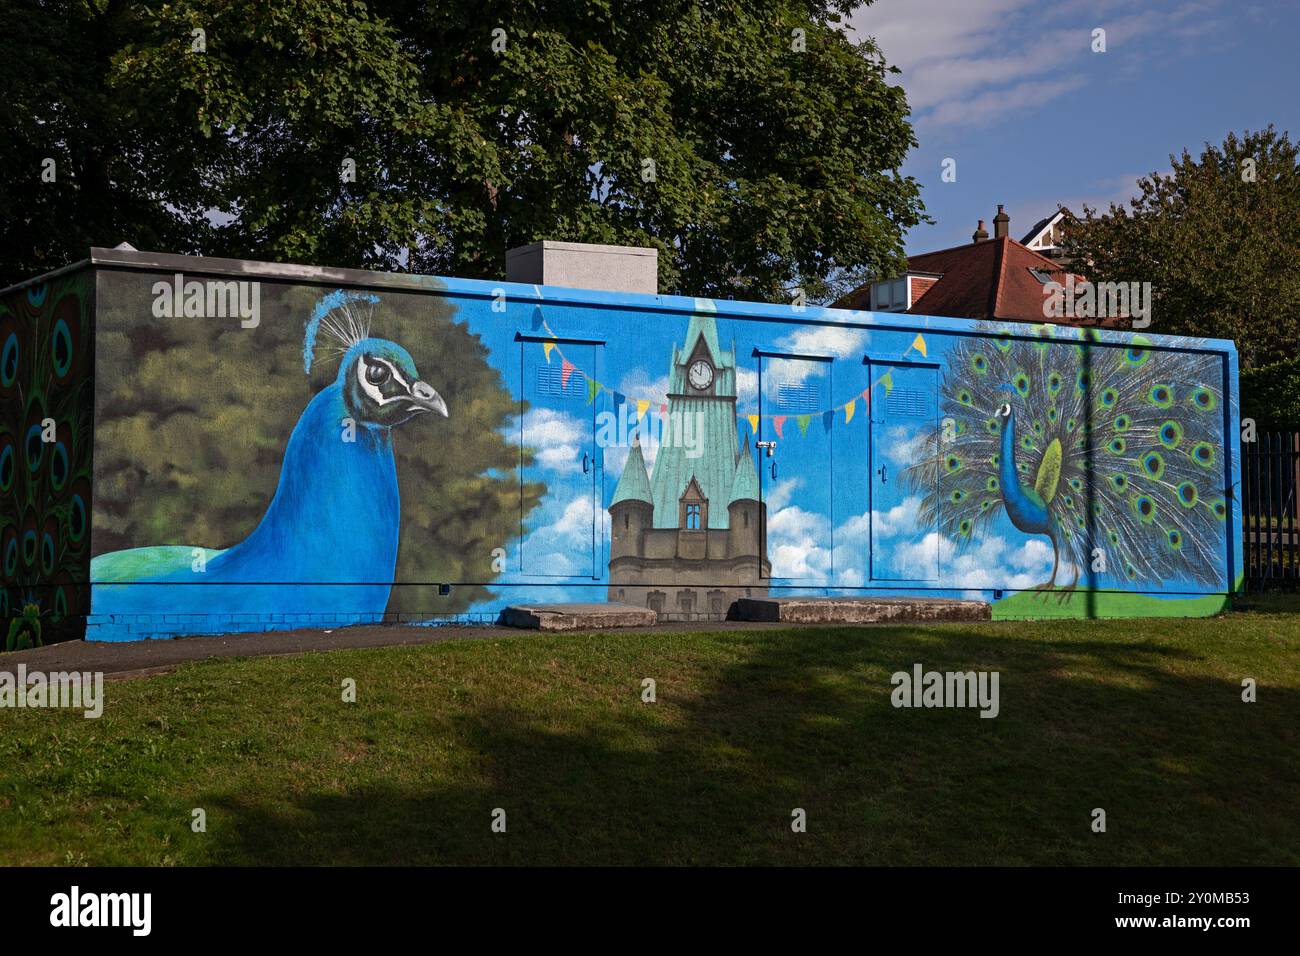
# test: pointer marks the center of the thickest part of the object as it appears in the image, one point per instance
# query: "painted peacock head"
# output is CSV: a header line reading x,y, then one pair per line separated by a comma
x,y
382,387
377,377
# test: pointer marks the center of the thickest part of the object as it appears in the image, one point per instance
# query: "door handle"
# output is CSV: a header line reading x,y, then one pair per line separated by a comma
x,y
883,471
584,462
774,471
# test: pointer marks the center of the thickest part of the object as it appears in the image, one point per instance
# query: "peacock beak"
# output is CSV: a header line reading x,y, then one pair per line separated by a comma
x,y
426,399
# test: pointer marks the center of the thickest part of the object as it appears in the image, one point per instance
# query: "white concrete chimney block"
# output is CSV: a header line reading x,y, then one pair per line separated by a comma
x,y
581,265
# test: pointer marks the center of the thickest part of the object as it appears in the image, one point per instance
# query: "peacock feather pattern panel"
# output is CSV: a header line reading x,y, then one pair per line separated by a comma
x,y
46,399
1111,451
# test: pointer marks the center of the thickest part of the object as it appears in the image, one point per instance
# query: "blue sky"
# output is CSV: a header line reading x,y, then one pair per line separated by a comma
x,y
1012,91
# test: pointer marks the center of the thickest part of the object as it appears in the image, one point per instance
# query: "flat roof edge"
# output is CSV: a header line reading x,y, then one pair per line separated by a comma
x,y
561,295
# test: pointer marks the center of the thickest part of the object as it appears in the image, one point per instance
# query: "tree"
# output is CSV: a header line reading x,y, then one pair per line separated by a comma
x,y
753,143
1218,238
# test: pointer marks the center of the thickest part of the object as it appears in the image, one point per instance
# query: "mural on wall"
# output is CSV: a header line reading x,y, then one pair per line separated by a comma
x,y
336,513
610,450
1111,453
194,416
45,460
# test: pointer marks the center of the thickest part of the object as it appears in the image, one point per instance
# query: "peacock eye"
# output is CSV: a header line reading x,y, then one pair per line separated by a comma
x,y
377,374
1004,410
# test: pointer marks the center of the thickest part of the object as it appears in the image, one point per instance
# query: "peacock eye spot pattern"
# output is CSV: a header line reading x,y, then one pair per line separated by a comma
x,y
6,467
1154,465
992,426
59,466
1220,509
992,484
29,547
986,504
1175,539
47,553
965,527
35,448
61,348
1162,396
1109,397
1020,382
994,461
1171,433
1135,357
957,496
77,518
1112,537
1203,454
1145,508
1130,572
979,363
1203,399
11,557
952,464
1123,423
1117,446
1187,494
1054,383
9,360
964,397
1082,381
1119,483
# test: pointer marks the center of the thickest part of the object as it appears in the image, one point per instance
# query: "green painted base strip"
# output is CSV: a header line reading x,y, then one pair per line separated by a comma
x,y
1029,605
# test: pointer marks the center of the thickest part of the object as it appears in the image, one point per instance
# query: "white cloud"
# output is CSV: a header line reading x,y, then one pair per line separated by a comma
x,y
971,62
557,438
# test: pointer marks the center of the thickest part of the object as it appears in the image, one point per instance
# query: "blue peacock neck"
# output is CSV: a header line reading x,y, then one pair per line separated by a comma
x,y
336,512
1025,507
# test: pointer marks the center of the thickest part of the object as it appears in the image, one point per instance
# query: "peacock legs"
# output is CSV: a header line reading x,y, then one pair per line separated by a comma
x,y
1050,583
1067,592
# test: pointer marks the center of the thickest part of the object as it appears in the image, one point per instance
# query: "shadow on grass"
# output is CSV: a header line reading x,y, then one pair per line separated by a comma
x,y
1186,772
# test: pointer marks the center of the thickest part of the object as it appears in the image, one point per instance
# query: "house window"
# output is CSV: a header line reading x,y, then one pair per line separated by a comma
x,y
655,601
624,522
716,599
692,517
686,602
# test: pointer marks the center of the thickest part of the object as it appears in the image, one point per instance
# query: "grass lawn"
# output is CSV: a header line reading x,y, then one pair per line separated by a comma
x,y
1141,718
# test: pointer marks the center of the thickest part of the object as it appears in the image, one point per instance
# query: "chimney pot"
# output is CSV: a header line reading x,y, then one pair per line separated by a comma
x,y
980,233
1001,223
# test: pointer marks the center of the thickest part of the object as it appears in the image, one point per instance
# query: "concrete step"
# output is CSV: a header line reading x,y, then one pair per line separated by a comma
x,y
576,617
839,610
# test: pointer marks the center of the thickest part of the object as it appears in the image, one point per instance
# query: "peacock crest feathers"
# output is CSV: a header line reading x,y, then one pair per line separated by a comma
x,y
1118,442
345,318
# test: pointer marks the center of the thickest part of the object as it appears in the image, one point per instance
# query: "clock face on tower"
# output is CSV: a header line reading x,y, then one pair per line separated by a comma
x,y
700,374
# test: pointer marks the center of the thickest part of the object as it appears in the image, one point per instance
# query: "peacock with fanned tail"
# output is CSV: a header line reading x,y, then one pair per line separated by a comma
x,y
1113,447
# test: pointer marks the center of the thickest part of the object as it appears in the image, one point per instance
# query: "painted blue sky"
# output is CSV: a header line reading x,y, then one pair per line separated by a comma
x,y
1012,91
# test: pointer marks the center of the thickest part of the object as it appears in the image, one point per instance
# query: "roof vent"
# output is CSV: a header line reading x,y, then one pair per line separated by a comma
x,y
124,247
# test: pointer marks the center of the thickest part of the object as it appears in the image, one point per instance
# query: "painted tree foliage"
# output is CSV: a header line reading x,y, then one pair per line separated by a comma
x,y
192,435
756,144
1218,238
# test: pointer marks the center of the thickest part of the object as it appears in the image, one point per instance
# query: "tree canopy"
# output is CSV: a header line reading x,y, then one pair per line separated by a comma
x,y
754,142
1218,238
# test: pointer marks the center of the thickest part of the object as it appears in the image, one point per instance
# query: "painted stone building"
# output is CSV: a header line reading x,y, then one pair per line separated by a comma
x,y
687,540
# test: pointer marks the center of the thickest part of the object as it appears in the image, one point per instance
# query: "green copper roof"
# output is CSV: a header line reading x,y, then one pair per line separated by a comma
x,y
704,448
633,484
746,484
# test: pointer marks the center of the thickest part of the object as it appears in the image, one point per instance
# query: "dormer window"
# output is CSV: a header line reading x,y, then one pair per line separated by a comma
x,y
694,514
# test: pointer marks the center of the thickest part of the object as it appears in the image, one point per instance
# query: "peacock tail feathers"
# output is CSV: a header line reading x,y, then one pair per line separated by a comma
x,y
46,402
1120,443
